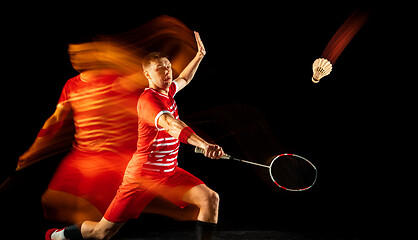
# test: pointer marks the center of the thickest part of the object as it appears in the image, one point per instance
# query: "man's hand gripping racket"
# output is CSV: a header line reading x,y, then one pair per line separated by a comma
x,y
288,171
212,151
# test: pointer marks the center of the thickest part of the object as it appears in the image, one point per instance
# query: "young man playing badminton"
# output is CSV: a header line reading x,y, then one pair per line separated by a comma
x,y
153,170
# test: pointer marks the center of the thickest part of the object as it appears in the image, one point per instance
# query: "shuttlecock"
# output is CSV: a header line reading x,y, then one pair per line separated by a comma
x,y
321,68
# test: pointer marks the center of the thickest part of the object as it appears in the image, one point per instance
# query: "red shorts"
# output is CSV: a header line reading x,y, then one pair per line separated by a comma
x,y
92,176
136,192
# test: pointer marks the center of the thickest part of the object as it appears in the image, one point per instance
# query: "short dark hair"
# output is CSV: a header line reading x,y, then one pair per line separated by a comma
x,y
151,57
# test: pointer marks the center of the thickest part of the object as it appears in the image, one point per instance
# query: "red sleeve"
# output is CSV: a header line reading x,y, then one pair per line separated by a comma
x,y
69,86
150,108
64,95
173,89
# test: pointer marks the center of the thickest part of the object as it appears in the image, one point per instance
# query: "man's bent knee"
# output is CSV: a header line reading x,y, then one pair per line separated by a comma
x,y
213,198
210,201
203,197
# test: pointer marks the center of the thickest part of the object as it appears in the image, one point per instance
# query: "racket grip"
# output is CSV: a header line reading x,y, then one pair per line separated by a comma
x,y
201,151
198,150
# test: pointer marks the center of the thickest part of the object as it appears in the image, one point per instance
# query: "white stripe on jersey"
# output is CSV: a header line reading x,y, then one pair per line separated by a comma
x,y
164,144
160,164
163,148
171,152
164,139
157,117
170,170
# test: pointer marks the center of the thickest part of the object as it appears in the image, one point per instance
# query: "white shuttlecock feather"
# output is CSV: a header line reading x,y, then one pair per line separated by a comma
x,y
321,68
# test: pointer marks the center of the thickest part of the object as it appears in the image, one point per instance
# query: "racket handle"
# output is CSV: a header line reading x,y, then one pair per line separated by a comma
x,y
200,150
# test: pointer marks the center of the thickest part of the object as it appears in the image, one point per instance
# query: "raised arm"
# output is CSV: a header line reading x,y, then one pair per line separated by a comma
x,y
178,129
51,126
188,73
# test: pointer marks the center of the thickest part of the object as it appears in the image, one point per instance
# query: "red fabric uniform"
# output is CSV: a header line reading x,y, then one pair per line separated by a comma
x,y
156,149
153,168
105,122
104,115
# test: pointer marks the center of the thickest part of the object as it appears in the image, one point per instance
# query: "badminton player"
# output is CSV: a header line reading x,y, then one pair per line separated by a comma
x,y
88,177
153,169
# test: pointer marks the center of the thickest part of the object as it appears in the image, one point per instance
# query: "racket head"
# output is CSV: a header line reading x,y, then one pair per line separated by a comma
x,y
292,172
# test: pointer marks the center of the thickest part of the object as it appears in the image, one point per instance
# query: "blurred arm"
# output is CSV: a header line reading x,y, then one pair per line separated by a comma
x,y
51,126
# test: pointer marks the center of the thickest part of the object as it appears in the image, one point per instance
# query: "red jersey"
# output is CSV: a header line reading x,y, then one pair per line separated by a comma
x,y
105,121
156,150
153,170
102,116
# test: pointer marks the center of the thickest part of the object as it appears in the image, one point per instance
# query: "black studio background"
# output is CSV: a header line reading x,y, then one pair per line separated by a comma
x,y
259,55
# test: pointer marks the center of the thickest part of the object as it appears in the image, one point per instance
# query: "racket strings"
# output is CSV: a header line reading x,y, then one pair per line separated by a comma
x,y
292,172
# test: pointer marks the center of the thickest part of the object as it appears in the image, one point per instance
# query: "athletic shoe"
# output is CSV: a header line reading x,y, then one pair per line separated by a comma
x,y
49,233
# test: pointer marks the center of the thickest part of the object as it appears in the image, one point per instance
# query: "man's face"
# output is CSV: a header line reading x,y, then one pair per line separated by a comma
x,y
160,73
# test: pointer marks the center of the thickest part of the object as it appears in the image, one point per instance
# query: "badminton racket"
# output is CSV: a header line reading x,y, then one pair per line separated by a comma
x,y
290,172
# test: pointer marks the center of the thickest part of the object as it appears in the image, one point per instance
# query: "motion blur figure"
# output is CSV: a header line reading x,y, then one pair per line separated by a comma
x,y
100,104
104,140
153,169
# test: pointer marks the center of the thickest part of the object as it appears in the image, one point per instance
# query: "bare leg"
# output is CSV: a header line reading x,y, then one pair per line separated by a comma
x,y
202,197
166,208
206,200
99,230
64,207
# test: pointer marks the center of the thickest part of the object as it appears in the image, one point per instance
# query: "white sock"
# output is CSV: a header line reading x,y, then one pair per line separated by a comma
x,y
58,235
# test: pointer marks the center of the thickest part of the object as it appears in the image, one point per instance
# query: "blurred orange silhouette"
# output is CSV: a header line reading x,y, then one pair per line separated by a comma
x,y
96,112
